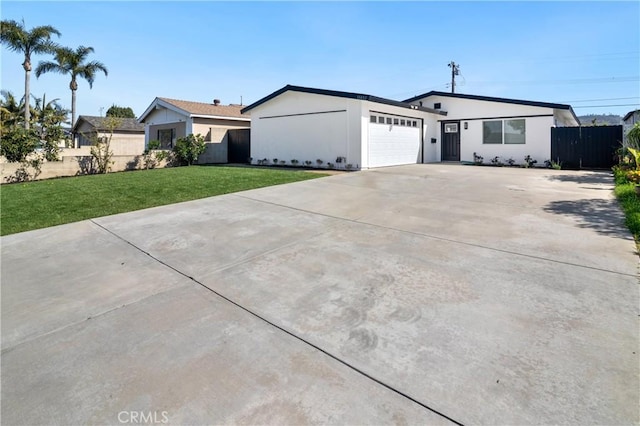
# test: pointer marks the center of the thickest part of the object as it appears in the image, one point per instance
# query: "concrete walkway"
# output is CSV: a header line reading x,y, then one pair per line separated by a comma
x,y
425,294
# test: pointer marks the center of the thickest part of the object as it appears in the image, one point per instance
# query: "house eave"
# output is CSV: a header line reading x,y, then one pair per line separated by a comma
x,y
220,117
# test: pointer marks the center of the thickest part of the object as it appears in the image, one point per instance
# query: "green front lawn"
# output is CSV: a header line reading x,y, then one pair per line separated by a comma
x,y
40,204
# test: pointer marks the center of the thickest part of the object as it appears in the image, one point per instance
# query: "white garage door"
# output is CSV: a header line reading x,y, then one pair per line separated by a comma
x,y
393,140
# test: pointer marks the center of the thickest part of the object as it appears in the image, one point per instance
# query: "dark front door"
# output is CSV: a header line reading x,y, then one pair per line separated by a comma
x,y
451,141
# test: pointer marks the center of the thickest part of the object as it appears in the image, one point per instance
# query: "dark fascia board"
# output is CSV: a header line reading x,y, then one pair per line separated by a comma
x,y
494,99
349,95
629,114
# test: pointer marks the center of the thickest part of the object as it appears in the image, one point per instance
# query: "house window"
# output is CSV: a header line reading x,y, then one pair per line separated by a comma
x,y
492,131
415,124
381,120
437,105
451,127
402,122
165,136
514,131
395,121
373,119
507,131
388,120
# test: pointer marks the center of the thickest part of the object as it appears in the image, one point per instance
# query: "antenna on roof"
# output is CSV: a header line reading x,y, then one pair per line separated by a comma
x,y
240,100
101,109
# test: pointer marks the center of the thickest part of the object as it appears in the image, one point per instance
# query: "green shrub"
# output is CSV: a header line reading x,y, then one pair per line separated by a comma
x,y
189,148
17,143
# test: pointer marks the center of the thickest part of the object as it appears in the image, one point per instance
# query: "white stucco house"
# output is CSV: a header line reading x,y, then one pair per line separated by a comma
x,y
366,131
166,120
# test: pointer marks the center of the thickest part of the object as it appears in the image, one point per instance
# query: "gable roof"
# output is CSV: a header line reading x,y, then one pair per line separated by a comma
x,y
629,114
196,109
348,95
100,124
494,99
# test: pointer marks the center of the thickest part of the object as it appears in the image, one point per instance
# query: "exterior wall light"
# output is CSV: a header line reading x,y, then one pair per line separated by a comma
x,y
466,125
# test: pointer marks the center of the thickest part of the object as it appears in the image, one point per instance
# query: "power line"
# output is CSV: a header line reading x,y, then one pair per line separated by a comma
x,y
597,80
598,106
604,99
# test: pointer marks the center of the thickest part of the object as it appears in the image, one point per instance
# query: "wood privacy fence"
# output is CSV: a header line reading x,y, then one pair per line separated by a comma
x,y
239,145
586,147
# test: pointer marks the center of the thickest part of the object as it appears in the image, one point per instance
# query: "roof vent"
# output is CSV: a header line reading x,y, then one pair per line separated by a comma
x,y
216,102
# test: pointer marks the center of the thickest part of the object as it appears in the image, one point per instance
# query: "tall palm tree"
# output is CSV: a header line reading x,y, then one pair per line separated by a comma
x,y
72,62
37,40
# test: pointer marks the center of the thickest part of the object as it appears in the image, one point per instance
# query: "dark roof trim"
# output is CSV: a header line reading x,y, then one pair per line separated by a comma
x,y
629,114
349,95
490,99
494,99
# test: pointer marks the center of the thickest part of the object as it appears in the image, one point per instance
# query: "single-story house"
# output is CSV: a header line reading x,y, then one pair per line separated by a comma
x,y
628,121
490,127
127,139
166,120
367,131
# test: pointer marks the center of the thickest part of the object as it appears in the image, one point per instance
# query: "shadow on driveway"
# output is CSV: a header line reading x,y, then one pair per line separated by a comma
x,y
603,216
590,178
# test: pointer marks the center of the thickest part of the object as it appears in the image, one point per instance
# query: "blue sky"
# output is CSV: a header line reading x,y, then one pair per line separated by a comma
x,y
583,53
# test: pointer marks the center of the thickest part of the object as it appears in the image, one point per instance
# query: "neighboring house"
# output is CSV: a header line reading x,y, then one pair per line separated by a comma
x,y
127,139
167,120
628,121
307,124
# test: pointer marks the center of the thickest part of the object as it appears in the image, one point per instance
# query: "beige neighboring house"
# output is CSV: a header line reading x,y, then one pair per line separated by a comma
x,y
167,120
128,137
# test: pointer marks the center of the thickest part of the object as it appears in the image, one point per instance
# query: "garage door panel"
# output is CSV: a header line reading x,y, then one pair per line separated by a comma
x,y
391,145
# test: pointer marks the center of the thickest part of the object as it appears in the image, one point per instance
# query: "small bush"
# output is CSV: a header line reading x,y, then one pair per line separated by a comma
x,y
319,162
17,143
495,161
633,176
529,162
294,162
189,148
477,159
511,162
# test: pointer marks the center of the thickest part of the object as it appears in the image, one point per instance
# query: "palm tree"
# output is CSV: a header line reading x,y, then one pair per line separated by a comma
x,y
37,40
72,62
10,109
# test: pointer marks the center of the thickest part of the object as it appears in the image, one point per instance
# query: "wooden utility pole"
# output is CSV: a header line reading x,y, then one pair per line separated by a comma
x,y
455,70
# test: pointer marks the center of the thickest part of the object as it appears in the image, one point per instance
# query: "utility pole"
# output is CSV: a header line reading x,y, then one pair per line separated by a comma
x,y
455,70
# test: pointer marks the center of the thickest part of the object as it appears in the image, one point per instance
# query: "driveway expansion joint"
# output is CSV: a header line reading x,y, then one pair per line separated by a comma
x,y
284,330
435,237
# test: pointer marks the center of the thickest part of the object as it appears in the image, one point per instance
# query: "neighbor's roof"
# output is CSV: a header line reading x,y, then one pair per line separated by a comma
x,y
196,109
100,123
349,95
493,99
629,114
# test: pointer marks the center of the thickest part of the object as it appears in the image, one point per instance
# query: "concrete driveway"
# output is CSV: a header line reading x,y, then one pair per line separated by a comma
x,y
424,294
